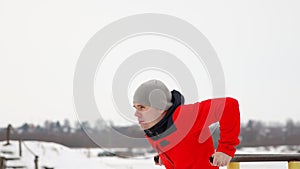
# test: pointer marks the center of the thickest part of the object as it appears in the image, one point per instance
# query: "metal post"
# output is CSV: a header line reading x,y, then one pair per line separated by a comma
x,y
8,130
233,165
36,158
2,163
294,165
20,148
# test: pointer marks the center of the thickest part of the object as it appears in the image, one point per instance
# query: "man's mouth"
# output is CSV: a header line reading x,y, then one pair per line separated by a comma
x,y
141,121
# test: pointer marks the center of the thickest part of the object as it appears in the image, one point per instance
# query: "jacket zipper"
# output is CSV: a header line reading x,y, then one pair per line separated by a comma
x,y
164,154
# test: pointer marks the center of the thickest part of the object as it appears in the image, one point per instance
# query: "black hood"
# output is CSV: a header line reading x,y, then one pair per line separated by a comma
x,y
167,121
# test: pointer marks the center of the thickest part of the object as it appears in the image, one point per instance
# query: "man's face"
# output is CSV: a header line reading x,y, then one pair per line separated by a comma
x,y
147,116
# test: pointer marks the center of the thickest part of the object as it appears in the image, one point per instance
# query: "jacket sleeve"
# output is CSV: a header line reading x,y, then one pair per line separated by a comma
x,y
229,127
226,112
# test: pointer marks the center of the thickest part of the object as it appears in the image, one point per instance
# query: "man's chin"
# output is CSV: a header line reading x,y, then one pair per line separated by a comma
x,y
145,126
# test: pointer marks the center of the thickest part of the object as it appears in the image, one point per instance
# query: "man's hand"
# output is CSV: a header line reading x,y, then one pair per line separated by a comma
x,y
220,159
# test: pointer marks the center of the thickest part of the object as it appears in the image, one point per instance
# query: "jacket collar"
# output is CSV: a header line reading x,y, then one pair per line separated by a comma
x,y
167,121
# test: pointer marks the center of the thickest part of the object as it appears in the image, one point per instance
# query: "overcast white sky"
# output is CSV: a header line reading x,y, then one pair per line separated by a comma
x,y
257,42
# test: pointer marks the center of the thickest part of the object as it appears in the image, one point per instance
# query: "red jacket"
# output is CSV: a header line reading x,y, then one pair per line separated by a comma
x,y
188,144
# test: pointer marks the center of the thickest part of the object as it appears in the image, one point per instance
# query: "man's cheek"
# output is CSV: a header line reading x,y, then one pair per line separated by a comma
x,y
151,116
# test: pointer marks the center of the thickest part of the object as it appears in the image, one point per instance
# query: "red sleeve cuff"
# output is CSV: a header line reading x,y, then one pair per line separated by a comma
x,y
229,150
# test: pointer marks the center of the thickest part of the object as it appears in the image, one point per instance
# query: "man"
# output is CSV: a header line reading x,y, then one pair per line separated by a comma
x,y
180,133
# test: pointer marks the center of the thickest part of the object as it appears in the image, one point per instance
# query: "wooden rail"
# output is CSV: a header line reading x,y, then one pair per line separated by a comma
x,y
3,162
292,159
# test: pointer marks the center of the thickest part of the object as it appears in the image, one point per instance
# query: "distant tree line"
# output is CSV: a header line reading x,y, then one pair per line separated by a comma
x,y
78,134
253,133
257,133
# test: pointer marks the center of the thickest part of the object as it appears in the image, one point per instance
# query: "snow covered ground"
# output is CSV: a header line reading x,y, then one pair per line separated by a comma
x,y
61,157
50,155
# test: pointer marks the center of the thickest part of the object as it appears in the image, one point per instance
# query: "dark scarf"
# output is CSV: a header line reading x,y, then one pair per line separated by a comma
x,y
167,121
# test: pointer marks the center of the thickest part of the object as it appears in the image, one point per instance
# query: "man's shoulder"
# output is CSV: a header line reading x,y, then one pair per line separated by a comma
x,y
207,103
211,101
219,100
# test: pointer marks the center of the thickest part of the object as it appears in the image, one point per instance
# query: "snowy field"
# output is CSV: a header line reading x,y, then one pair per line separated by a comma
x,y
61,157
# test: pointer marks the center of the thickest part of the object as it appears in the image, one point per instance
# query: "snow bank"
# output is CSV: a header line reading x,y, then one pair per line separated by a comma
x,y
50,155
61,157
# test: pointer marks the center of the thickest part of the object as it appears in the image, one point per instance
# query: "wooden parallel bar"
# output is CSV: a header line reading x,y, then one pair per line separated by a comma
x,y
265,157
294,165
292,159
233,165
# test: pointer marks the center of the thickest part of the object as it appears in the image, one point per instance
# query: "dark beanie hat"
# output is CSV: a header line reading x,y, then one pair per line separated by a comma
x,y
153,93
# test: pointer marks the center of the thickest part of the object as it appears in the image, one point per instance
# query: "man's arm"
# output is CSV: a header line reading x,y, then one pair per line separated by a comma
x,y
229,127
228,115
226,112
